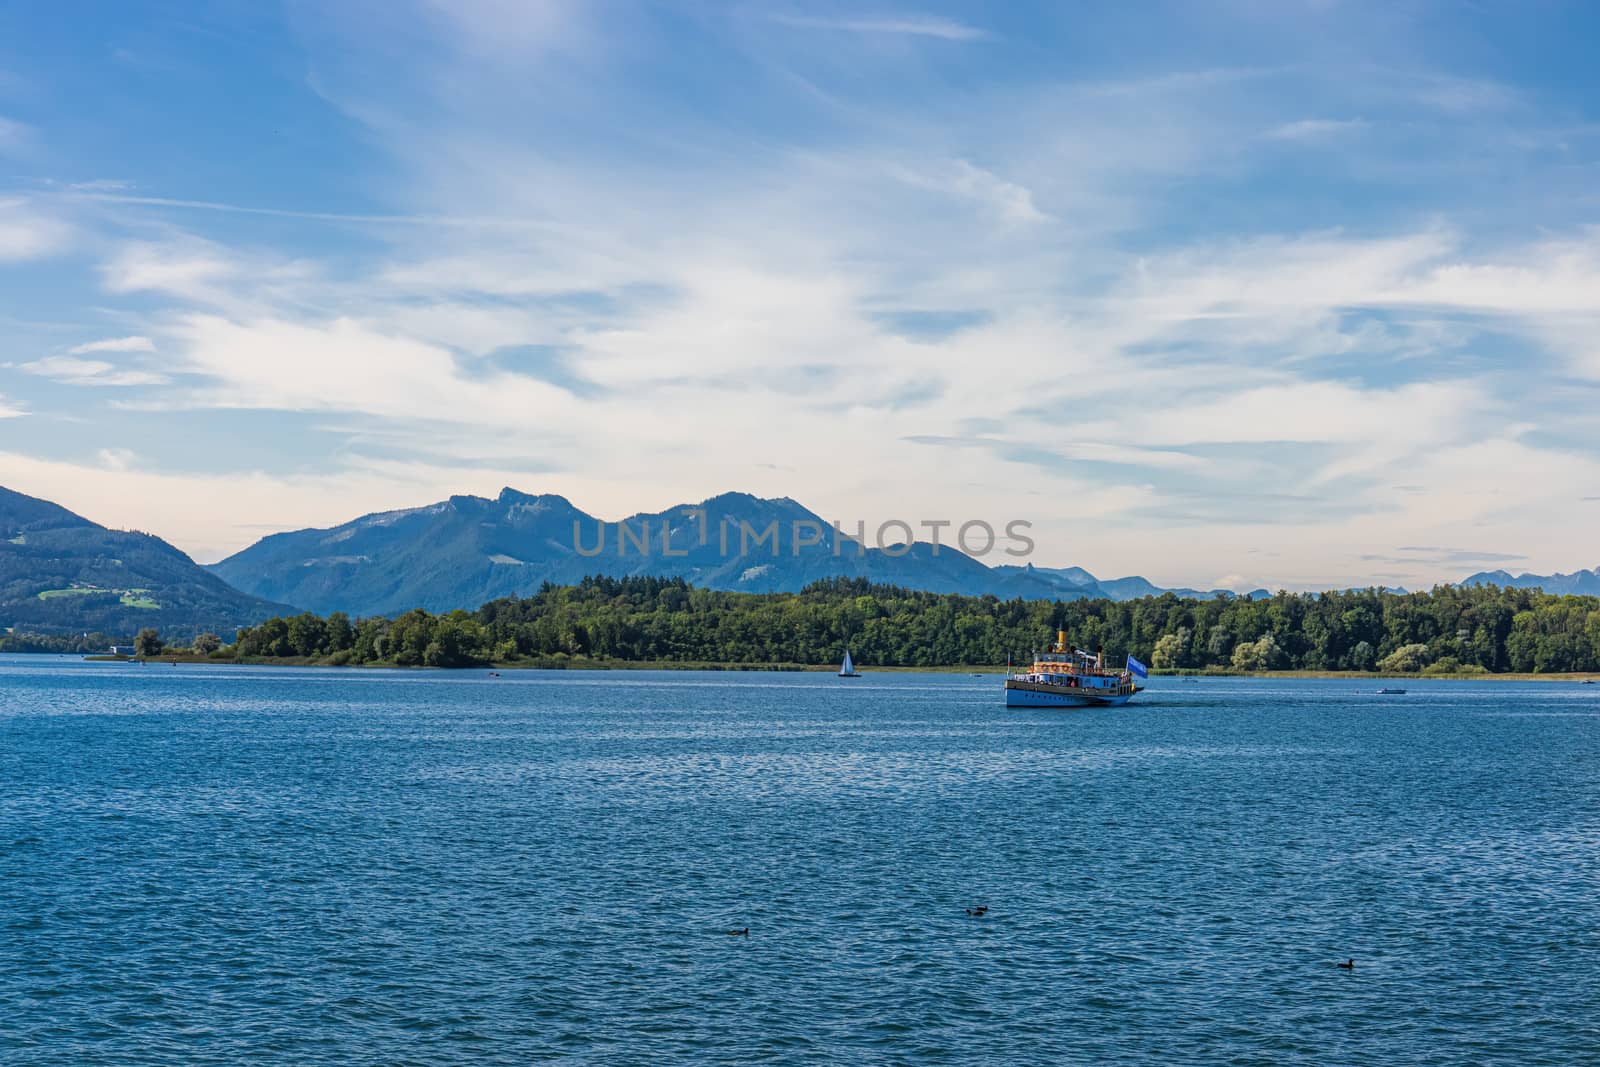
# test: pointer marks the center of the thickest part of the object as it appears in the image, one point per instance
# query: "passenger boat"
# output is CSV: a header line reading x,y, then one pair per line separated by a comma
x,y
1066,677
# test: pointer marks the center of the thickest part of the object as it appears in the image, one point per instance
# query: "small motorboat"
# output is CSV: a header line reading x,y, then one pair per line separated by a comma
x,y
1390,691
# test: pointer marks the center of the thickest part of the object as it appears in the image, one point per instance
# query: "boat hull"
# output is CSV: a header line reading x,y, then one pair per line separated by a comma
x,y
1044,695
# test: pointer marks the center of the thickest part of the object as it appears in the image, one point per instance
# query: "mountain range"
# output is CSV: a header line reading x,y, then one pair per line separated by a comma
x,y
1585,583
466,550
61,573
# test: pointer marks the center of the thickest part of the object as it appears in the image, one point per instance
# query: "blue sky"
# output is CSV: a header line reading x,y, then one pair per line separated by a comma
x,y
1284,294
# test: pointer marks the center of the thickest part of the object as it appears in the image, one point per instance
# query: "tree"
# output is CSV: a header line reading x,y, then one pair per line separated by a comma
x,y
205,644
147,643
1407,659
1260,655
1169,650
340,634
1445,665
306,634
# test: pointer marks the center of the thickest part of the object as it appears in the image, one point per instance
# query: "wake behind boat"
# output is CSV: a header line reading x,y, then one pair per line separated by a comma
x,y
1070,677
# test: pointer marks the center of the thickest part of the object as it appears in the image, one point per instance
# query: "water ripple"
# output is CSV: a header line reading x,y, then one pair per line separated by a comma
x,y
223,865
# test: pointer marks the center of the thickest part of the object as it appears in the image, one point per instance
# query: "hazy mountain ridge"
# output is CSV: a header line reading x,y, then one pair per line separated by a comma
x,y
1584,583
1075,583
62,573
466,550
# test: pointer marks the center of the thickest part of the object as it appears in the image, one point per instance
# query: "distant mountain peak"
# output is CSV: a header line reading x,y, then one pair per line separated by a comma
x,y
730,499
510,497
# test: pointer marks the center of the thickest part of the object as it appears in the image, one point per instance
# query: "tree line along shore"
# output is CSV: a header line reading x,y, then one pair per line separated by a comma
x,y
1449,631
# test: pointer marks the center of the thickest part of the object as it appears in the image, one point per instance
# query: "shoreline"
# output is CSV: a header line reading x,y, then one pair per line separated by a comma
x,y
811,668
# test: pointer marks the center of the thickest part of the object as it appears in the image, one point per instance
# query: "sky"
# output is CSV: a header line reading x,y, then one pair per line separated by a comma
x,y
1283,294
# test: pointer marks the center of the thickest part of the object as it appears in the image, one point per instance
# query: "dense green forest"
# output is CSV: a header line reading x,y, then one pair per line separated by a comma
x,y
27,641
1449,630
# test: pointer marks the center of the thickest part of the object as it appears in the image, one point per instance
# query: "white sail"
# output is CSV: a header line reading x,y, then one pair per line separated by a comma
x,y
847,667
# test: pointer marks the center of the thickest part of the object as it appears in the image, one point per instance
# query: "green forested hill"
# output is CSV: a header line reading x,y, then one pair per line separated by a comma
x,y
660,619
61,573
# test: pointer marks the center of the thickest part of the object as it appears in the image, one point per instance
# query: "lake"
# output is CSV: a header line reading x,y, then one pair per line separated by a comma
x,y
218,865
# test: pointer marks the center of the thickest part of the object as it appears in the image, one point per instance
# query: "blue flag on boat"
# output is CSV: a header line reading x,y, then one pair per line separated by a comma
x,y
1138,668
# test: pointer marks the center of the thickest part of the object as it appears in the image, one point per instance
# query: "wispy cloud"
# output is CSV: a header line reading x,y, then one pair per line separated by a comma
x,y
1437,555
27,232
117,459
13,135
908,24
74,370
114,344
88,194
1005,201
1315,129
100,185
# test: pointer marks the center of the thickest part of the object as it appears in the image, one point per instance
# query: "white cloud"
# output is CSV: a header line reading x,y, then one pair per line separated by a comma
x,y
475,327
117,459
1003,200
1550,277
345,365
1577,338
74,370
114,344
1313,412
9,411
191,268
26,232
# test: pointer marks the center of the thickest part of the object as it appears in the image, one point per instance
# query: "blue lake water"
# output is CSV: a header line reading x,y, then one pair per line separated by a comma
x,y
220,865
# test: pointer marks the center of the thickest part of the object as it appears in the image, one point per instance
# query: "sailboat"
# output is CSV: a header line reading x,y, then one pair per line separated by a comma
x,y
847,669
